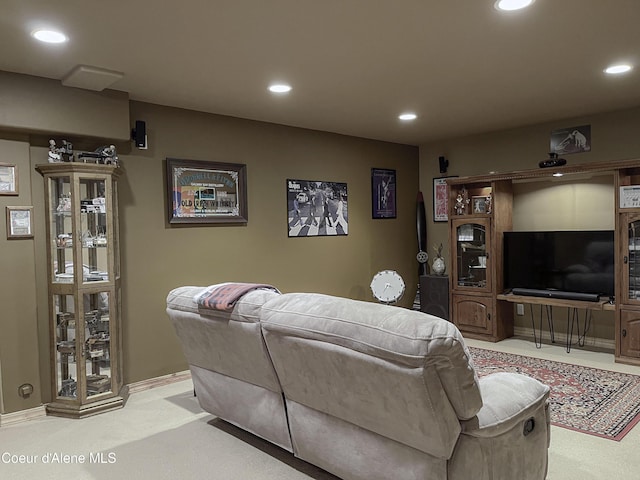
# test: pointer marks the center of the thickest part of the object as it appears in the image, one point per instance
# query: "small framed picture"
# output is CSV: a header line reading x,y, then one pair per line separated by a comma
x,y
19,222
479,204
8,179
383,193
440,199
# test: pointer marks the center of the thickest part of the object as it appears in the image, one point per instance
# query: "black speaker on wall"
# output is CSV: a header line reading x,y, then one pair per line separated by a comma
x,y
139,134
444,164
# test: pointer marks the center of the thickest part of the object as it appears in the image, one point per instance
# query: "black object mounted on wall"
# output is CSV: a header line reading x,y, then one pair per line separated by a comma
x,y
139,135
552,161
444,164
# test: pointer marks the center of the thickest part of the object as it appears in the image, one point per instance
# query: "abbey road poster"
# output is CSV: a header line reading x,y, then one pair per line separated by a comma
x,y
316,208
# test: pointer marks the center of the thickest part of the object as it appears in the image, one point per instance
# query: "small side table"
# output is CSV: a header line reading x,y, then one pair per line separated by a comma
x,y
434,295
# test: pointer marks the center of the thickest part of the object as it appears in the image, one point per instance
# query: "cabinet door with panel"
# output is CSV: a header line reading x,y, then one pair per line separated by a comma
x,y
629,334
474,315
471,262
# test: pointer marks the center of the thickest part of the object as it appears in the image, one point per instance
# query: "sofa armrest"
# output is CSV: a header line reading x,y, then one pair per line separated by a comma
x,y
508,398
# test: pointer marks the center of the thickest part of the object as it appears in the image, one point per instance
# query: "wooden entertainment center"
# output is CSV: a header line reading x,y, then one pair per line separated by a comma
x,y
481,210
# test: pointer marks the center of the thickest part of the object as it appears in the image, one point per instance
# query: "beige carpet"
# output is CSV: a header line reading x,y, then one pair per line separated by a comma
x,y
162,434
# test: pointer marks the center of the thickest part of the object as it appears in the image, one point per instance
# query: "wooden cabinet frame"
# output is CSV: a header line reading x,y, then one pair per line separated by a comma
x,y
480,304
84,287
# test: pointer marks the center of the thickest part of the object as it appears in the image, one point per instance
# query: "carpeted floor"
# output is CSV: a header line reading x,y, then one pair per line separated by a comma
x,y
589,400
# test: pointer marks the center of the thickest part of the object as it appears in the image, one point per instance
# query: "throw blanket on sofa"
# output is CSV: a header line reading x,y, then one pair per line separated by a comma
x,y
224,296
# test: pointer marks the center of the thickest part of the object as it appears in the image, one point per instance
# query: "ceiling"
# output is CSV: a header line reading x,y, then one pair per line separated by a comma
x,y
462,66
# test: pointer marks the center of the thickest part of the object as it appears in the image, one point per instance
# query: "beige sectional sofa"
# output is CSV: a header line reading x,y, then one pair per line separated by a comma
x,y
362,390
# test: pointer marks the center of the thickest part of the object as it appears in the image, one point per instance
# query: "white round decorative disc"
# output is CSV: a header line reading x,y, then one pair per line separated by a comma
x,y
387,286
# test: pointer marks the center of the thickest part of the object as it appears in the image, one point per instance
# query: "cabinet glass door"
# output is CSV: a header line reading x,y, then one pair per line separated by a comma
x,y
97,351
471,255
94,230
633,261
66,353
61,226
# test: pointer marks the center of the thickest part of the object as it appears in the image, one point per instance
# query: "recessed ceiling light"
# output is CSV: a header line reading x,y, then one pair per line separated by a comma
x,y
49,36
558,174
280,88
510,5
407,116
616,69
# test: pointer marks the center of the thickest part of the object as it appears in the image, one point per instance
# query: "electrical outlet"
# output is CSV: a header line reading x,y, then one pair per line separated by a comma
x,y
519,309
25,390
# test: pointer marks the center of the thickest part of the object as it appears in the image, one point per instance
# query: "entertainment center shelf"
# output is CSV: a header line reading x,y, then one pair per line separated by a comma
x,y
481,210
557,302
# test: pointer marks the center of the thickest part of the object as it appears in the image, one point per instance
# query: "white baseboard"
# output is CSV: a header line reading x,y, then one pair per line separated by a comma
x,y
40,411
22,415
560,338
159,381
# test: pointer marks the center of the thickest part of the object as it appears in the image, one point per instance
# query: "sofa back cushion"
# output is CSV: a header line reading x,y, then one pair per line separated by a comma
x,y
400,373
229,343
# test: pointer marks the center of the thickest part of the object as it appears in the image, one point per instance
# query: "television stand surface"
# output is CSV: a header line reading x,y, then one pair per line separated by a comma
x,y
602,304
547,293
572,317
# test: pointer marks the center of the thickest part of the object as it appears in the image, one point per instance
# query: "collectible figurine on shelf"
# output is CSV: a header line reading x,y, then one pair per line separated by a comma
x,y
462,202
60,154
105,154
488,203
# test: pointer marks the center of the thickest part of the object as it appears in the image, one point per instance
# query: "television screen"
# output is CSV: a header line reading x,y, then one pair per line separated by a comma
x,y
568,261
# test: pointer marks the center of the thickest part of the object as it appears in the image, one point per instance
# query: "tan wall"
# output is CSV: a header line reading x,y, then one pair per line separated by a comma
x,y
567,203
157,257
35,104
18,321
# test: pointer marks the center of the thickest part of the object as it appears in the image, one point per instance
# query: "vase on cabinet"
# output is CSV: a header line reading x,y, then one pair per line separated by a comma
x,y
438,266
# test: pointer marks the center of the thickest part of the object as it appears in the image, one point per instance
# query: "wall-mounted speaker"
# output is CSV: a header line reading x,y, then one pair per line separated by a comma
x,y
139,135
444,164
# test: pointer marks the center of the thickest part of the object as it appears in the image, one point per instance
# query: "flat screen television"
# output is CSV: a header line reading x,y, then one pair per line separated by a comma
x,y
576,261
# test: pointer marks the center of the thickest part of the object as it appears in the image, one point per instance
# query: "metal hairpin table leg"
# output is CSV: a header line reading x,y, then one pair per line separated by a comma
x,y
550,322
571,314
549,313
573,317
585,328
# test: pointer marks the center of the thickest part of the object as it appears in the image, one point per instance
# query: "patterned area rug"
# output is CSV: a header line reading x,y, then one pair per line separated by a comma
x,y
588,400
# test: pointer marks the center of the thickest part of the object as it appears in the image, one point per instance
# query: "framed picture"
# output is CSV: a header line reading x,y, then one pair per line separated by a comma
x,y
383,193
8,179
440,199
19,222
571,140
316,208
479,204
206,192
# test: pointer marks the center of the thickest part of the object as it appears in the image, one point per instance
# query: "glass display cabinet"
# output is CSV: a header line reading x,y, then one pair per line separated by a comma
x,y
631,260
627,330
84,288
471,253
628,344
479,213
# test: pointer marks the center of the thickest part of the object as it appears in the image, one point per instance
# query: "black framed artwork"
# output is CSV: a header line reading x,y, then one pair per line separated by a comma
x,y
206,192
383,193
316,208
